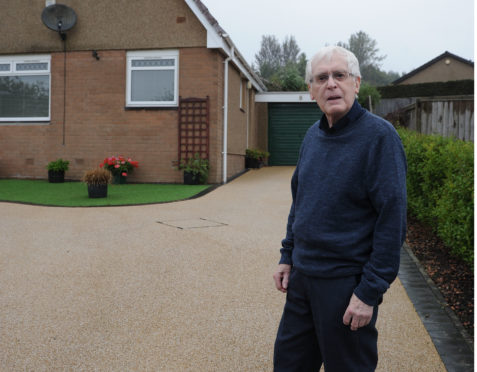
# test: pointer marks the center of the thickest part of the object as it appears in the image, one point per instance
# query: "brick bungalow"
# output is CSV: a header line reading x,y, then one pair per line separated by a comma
x,y
119,84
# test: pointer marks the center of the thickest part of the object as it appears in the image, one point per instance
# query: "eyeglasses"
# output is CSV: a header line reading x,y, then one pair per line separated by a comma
x,y
322,79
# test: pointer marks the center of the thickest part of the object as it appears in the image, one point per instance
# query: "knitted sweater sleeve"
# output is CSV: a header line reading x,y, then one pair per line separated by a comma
x,y
386,184
288,242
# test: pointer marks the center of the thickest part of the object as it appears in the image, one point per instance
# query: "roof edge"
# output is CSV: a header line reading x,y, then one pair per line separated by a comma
x,y
431,62
217,38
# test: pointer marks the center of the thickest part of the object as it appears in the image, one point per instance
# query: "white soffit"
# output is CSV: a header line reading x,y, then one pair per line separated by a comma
x,y
292,97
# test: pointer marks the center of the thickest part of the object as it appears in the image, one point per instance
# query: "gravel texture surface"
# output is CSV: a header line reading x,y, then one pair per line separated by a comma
x,y
183,286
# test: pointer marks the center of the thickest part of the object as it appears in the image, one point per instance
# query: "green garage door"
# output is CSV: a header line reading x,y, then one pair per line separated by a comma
x,y
287,125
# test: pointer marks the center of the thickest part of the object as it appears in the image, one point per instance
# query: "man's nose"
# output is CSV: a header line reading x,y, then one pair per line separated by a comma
x,y
330,83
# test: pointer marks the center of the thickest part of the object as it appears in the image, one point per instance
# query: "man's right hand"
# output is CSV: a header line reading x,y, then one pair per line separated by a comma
x,y
281,277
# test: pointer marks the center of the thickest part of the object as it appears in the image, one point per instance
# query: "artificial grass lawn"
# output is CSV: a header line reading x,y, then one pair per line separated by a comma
x,y
75,194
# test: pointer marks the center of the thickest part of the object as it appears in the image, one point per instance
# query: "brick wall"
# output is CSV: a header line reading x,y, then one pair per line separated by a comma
x,y
98,125
237,125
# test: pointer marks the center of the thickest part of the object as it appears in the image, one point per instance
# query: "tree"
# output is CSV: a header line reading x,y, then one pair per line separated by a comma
x,y
281,66
290,51
268,59
365,49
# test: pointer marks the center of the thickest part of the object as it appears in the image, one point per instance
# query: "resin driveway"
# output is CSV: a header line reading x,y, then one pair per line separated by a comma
x,y
183,286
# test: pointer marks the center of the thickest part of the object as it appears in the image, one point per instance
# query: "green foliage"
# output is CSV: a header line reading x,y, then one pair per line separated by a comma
x,y
256,154
197,166
365,91
281,66
440,188
449,88
58,165
376,77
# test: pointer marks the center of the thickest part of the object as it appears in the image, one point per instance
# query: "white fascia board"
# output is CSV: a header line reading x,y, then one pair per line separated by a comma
x,y
292,97
217,41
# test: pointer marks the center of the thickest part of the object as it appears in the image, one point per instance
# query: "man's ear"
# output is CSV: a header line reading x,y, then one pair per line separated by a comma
x,y
311,93
358,84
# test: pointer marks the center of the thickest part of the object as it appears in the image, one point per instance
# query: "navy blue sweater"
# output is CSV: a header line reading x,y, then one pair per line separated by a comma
x,y
348,214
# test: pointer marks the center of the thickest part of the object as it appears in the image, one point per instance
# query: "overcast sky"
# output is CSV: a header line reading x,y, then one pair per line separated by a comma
x,y
409,32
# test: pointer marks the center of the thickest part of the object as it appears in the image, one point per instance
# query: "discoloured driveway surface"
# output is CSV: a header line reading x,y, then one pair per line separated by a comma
x,y
183,286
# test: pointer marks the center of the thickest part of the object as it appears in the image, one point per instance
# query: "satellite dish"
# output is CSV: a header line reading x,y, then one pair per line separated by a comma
x,y
59,17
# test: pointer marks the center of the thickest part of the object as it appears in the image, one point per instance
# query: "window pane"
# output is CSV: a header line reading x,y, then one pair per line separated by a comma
x,y
152,62
32,66
152,85
24,96
4,66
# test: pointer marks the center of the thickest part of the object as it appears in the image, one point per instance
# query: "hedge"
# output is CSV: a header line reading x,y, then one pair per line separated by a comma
x,y
449,88
440,188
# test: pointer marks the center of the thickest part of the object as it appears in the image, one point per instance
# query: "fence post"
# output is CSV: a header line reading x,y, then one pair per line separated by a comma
x,y
418,121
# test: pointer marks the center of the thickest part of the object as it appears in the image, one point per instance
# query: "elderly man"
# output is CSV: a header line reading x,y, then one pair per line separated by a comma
x,y
345,229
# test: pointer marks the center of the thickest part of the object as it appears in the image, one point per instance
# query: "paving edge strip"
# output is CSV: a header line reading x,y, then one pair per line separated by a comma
x,y
453,343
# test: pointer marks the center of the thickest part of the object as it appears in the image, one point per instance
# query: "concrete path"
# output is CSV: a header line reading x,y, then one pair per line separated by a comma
x,y
183,286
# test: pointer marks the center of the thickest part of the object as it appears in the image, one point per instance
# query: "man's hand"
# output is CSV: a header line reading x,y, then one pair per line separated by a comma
x,y
281,277
358,313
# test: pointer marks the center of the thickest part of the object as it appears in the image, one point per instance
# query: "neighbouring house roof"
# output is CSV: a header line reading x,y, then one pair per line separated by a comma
x,y
446,54
217,38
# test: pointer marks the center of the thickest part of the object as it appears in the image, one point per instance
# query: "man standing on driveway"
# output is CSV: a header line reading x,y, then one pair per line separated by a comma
x,y
345,229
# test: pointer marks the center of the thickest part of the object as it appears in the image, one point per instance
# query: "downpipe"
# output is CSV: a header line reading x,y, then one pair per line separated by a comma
x,y
226,112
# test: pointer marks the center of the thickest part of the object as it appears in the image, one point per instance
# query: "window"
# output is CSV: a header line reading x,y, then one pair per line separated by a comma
x,y
152,78
25,88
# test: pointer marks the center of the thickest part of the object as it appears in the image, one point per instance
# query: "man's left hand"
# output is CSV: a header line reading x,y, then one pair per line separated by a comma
x,y
358,314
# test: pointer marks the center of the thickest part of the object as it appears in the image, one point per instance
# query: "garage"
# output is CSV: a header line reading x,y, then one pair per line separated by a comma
x,y
290,114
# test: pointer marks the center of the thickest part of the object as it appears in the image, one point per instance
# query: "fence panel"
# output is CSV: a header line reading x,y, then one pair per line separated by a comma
x,y
447,116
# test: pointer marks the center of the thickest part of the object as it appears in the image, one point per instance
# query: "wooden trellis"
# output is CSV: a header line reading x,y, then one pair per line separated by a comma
x,y
193,127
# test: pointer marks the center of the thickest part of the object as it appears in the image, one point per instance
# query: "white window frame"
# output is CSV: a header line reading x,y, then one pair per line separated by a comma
x,y
157,54
13,62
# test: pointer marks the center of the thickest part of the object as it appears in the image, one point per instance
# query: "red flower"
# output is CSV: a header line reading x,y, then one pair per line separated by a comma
x,y
119,165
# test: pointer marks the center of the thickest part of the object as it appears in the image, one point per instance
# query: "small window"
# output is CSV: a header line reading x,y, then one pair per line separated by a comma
x,y
152,78
25,88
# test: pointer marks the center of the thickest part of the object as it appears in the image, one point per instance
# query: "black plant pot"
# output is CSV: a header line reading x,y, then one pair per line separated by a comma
x,y
56,176
253,163
98,191
191,178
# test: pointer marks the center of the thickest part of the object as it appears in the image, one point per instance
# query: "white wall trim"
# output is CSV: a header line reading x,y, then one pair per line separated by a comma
x,y
292,97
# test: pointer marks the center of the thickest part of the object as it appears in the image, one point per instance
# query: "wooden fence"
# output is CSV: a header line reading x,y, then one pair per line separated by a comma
x,y
447,116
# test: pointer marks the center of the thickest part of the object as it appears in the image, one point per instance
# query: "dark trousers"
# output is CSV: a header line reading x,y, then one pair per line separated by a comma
x,y
312,332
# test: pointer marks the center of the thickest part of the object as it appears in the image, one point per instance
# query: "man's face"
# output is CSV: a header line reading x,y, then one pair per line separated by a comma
x,y
335,98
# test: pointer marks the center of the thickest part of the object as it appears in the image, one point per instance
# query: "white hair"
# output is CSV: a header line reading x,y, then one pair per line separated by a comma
x,y
326,53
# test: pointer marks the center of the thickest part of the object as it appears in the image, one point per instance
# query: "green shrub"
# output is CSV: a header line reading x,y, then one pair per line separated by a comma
x,y
440,190
58,165
197,166
365,91
257,154
448,88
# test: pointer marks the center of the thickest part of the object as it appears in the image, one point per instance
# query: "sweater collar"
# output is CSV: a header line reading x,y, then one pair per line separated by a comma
x,y
354,113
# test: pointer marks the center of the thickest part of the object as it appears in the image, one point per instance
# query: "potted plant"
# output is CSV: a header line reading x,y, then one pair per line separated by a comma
x,y
255,158
120,167
196,170
56,170
97,181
